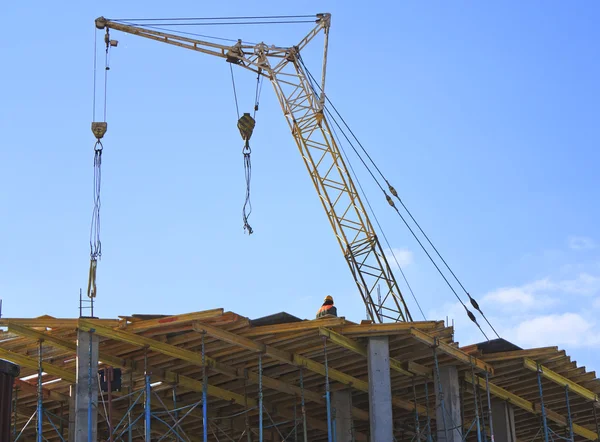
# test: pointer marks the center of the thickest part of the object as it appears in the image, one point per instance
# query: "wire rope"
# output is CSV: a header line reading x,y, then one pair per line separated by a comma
x,y
263,17
390,201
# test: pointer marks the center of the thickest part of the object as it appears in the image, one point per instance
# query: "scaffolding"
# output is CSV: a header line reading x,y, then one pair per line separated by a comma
x,y
218,376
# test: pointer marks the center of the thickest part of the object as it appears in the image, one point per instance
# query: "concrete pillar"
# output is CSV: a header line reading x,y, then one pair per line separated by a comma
x,y
71,437
87,361
450,414
503,416
380,390
341,404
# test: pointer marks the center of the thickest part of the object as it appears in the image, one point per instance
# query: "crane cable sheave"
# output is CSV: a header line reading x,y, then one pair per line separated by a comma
x,y
246,126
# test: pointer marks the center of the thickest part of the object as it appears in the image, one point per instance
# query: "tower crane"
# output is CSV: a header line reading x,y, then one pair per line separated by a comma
x,y
303,107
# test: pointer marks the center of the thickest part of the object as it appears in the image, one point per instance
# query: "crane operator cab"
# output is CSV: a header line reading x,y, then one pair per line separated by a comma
x,y
327,309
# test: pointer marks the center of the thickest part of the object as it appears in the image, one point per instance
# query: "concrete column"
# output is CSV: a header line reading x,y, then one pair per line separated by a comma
x,y
87,360
448,415
380,390
71,437
503,416
341,404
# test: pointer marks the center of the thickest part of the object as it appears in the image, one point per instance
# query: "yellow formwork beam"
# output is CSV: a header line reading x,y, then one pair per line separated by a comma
x,y
26,361
358,348
387,329
166,349
574,387
187,318
294,327
530,407
196,359
299,361
47,322
449,350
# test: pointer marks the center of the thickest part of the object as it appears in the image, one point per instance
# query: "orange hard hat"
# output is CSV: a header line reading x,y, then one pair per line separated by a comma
x,y
329,298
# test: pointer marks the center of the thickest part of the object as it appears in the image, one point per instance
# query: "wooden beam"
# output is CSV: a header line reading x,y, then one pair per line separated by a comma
x,y
196,359
26,361
364,330
449,350
271,352
300,361
530,407
171,377
293,327
46,392
66,345
166,349
54,322
358,348
560,380
139,326
519,354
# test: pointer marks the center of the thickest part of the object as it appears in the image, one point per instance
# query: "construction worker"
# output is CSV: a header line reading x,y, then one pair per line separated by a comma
x,y
327,308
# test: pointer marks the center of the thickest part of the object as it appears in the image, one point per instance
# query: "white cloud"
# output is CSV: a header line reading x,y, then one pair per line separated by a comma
x,y
542,293
528,296
568,328
583,284
403,256
581,243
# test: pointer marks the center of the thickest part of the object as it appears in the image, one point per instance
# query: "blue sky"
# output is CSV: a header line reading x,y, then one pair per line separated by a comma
x,y
484,117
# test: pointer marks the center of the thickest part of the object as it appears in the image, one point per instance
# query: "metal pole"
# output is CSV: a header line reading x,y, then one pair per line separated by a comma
x,y
596,420
333,427
427,411
304,429
147,409
489,402
417,425
482,415
40,405
260,399
327,393
440,391
90,380
175,412
204,392
109,374
15,413
246,418
129,429
569,420
461,395
544,421
295,420
476,404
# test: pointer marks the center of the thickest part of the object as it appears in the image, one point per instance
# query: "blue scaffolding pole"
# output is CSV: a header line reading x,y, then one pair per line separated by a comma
x,y
260,399
303,403
40,405
148,397
204,392
569,420
327,392
544,420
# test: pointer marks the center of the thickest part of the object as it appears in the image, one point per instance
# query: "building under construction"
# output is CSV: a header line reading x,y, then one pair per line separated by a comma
x,y
219,376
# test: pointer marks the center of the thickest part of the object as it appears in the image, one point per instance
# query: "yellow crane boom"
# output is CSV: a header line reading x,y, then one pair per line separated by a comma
x,y
303,109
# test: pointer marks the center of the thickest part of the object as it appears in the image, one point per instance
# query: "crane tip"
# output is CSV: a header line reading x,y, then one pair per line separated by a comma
x,y
101,22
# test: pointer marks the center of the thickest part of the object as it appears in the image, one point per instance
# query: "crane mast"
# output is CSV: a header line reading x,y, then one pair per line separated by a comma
x,y
303,108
